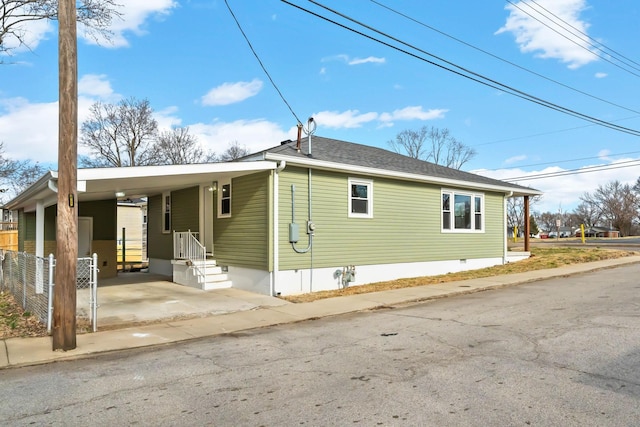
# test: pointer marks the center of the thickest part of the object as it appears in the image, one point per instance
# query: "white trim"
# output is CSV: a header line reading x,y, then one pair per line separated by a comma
x,y
369,184
452,215
341,167
221,185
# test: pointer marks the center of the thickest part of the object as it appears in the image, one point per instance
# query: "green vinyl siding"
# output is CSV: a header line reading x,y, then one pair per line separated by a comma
x,y
185,209
405,226
242,239
159,244
104,214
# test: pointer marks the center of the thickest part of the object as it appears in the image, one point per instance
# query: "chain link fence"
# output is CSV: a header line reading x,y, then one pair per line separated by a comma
x,y
30,280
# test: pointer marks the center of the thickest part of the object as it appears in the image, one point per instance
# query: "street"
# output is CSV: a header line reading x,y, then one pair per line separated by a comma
x,y
556,352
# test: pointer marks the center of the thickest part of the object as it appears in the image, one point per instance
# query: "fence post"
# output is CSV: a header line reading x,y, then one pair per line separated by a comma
x,y
50,308
24,280
94,291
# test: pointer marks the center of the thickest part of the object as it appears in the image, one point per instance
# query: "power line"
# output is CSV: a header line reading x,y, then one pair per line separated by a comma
x,y
555,162
570,39
500,58
478,78
595,43
588,169
273,83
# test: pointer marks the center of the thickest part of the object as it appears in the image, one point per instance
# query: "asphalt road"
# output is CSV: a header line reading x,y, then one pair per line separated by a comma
x,y
562,352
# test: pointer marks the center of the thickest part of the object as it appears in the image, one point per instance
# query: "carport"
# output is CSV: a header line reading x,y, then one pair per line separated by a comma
x,y
137,298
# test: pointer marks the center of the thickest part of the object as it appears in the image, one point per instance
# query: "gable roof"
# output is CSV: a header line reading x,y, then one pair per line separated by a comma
x,y
332,154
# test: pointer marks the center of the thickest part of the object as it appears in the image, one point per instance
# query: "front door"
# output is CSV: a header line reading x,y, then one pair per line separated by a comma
x,y
206,222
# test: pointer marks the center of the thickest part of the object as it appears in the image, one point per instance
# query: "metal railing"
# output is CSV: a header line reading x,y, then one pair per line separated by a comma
x,y
30,279
186,246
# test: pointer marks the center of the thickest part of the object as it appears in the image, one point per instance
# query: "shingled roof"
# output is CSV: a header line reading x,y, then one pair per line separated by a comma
x,y
358,155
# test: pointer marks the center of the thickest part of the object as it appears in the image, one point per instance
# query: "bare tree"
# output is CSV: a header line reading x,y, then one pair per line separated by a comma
x,y
179,147
15,15
234,152
17,175
547,220
120,135
515,211
433,144
588,212
619,205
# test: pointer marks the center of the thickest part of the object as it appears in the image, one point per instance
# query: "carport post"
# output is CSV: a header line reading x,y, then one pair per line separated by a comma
x,y
527,229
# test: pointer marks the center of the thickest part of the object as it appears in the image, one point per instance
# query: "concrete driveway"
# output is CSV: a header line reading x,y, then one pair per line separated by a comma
x,y
136,298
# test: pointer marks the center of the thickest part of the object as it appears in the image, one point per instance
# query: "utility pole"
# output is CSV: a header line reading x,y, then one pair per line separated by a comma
x,y
64,301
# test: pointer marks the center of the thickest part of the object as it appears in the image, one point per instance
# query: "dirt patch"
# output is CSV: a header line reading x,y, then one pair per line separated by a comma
x,y
15,322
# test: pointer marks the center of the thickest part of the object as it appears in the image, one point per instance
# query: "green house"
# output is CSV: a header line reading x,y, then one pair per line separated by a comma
x,y
304,216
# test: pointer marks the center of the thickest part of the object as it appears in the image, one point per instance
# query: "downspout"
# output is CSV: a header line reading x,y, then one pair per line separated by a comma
x,y
506,227
276,228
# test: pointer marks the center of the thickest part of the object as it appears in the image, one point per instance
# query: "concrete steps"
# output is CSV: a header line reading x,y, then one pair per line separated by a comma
x,y
206,275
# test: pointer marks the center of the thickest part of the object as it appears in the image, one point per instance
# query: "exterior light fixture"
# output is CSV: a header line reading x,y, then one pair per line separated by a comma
x,y
120,194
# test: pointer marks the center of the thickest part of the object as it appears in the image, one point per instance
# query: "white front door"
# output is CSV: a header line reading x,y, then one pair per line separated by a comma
x,y
206,217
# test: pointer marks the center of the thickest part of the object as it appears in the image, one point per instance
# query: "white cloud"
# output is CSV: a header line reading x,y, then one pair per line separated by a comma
x,y
565,191
515,159
350,119
532,36
604,155
354,61
231,93
367,60
96,85
601,75
413,113
32,33
29,131
255,135
134,15
346,119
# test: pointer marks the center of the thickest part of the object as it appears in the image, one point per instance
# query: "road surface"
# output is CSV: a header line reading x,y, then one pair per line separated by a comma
x,y
557,352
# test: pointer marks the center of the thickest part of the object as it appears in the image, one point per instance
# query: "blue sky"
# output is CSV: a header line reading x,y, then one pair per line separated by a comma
x,y
190,60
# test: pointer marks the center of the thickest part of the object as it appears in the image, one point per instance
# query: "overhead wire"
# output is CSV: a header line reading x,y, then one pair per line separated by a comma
x,y
461,71
594,42
588,169
273,83
566,86
555,162
570,39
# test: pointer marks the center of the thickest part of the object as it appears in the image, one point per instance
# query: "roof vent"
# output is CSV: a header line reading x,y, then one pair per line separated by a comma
x,y
286,141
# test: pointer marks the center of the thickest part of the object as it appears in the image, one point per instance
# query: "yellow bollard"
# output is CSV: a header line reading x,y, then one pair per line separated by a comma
x,y
582,232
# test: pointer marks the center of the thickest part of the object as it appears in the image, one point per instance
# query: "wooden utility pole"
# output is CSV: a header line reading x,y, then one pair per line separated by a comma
x,y
64,301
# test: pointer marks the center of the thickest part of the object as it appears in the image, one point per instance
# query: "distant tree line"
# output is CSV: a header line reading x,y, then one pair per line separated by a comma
x,y
612,205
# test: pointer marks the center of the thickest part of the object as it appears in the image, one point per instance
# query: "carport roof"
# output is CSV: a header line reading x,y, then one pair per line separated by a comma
x,y
135,181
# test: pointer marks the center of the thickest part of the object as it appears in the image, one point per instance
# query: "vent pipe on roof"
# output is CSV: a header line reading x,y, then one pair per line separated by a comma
x,y
299,137
309,131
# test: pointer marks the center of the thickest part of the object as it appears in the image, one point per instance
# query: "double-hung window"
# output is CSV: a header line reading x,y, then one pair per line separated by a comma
x,y
224,200
360,198
462,212
166,212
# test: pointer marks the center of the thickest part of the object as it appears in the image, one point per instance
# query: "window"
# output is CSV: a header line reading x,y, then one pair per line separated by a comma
x,y
462,211
224,200
360,198
166,212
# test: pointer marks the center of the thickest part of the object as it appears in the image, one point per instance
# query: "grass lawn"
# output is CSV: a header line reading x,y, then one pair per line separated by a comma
x,y
541,258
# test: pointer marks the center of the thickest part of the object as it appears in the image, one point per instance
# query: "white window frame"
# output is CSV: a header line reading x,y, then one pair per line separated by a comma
x,y
166,212
221,196
369,184
452,223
